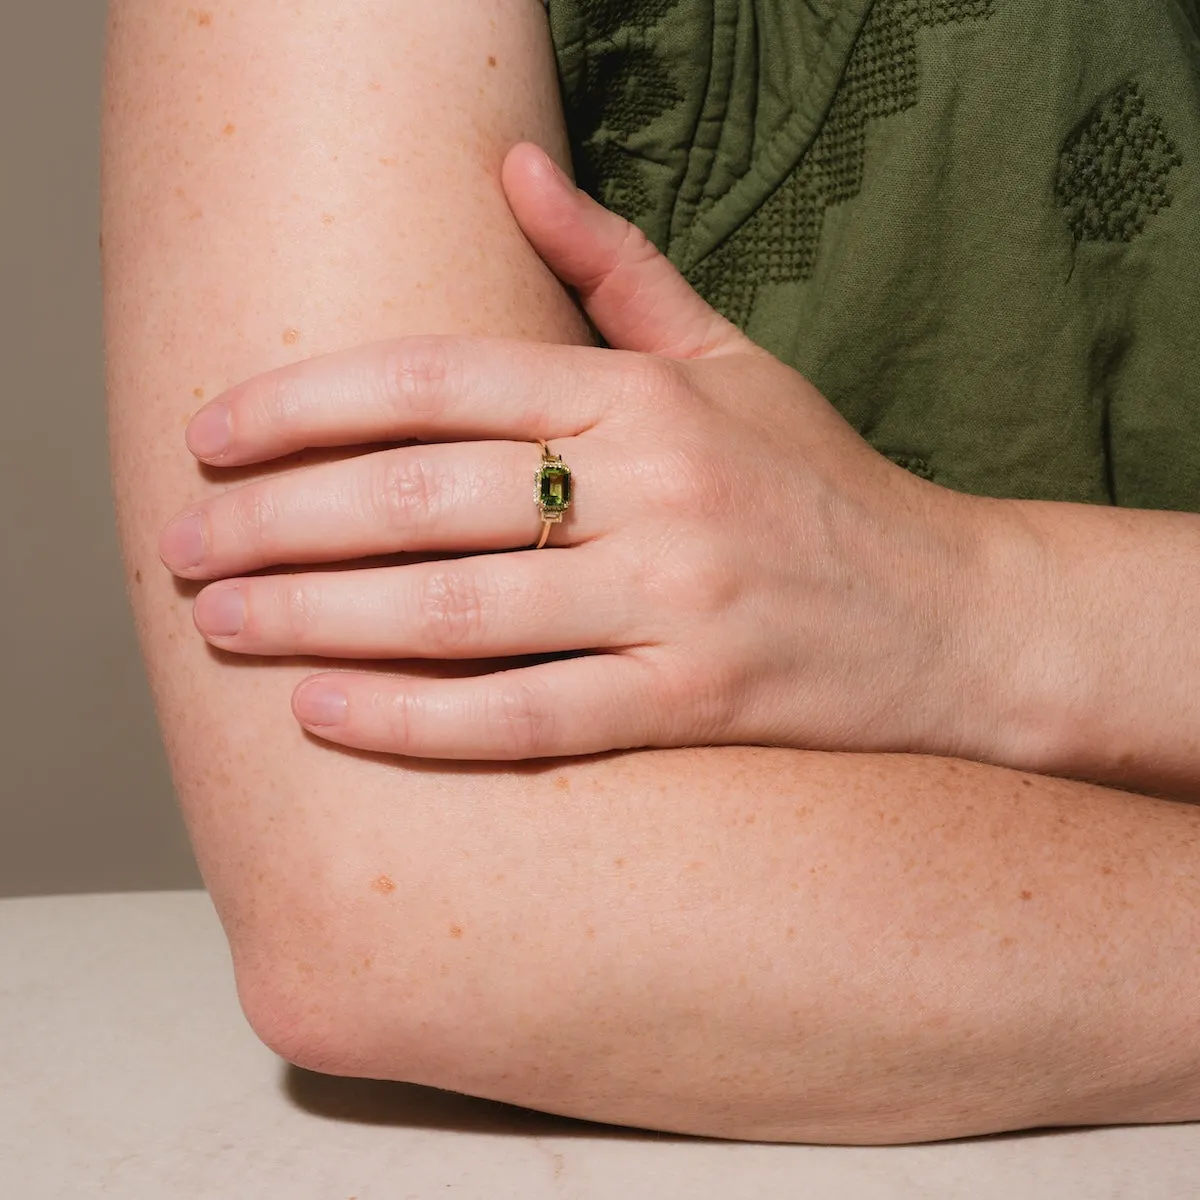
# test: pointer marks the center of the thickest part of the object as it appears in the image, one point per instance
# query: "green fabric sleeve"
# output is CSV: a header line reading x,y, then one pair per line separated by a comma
x,y
972,223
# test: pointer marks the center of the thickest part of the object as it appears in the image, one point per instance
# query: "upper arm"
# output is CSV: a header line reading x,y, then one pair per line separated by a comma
x,y
283,179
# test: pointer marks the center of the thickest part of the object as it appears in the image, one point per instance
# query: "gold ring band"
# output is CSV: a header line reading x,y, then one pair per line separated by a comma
x,y
552,486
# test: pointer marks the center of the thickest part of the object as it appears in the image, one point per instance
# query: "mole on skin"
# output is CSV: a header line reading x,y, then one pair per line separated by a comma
x,y
1026,895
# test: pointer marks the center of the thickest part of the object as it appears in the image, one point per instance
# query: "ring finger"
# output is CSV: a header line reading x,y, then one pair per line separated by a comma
x,y
441,496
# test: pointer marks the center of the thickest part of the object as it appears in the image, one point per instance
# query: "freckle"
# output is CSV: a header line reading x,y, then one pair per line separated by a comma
x,y
516,937
229,130
491,60
618,863
1106,870
198,393
590,933
390,161
375,86
1007,942
456,931
1026,895
385,885
791,932
389,304
203,18
562,783
137,575
327,218
368,963
751,819
291,337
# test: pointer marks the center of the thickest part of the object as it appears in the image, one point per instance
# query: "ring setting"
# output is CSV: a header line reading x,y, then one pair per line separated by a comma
x,y
552,490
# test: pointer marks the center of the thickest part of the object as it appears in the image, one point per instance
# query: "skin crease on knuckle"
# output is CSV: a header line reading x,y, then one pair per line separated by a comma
x,y
402,491
453,612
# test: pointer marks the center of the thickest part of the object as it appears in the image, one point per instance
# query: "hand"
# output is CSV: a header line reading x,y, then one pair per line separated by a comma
x,y
737,565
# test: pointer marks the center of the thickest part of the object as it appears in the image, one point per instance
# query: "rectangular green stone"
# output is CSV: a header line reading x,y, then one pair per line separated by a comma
x,y
554,488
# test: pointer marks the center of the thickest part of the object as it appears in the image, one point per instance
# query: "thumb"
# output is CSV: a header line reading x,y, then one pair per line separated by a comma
x,y
633,294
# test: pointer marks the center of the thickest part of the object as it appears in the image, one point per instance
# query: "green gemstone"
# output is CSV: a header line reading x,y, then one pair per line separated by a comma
x,y
554,488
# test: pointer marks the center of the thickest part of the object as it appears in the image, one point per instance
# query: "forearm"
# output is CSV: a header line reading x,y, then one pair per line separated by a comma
x,y
1090,644
770,944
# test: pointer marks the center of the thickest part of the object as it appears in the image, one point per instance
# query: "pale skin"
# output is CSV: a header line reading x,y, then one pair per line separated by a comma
x,y
724,939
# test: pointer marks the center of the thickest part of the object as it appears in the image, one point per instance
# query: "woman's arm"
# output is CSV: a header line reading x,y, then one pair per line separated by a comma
x,y
744,942
1089,656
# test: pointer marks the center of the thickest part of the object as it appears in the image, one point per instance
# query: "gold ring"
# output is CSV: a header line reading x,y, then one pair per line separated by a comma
x,y
551,490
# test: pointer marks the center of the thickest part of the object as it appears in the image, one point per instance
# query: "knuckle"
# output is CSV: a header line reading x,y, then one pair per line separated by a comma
x,y
521,717
653,382
279,401
422,372
453,609
403,488
254,516
687,480
400,719
297,613
689,577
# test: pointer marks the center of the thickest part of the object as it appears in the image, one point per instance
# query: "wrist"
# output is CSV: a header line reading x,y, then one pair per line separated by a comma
x,y
1016,676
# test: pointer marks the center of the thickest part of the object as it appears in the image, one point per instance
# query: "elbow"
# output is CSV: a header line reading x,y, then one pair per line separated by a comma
x,y
327,1004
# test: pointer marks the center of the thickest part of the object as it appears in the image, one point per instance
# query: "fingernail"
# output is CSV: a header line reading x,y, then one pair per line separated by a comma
x,y
210,431
182,543
220,611
320,704
559,175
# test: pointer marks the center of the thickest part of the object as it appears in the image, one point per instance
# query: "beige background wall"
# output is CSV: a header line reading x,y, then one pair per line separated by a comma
x,y
85,799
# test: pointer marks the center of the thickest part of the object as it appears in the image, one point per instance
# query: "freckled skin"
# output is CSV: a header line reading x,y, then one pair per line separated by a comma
x,y
1026,895
198,393
291,337
181,306
456,931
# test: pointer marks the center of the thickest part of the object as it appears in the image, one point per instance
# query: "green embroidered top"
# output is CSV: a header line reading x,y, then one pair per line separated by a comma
x,y
974,224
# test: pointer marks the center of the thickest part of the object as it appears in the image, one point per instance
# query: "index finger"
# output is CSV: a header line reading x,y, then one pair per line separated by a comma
x,y
426,387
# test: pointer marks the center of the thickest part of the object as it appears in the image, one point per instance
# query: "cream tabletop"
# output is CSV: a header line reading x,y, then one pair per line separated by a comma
x,y
129,1071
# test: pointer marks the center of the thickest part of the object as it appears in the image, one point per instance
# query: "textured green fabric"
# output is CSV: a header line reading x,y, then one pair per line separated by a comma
x,y
974,224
